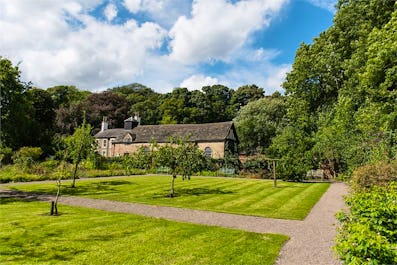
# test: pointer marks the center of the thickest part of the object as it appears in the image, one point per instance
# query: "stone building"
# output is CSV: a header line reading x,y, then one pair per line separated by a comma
x,y
215,139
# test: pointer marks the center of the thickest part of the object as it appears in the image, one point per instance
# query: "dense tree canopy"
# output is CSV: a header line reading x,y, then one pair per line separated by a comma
x,y
15,108
340,92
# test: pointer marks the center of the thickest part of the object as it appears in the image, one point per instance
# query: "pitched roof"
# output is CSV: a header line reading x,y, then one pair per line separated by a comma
x,y
206,132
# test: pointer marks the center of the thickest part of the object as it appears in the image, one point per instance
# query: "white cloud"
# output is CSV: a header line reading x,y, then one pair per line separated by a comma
x,y
217,28
91,56
133,6
110,12
164,12
196,82
277,77
325,4
59,42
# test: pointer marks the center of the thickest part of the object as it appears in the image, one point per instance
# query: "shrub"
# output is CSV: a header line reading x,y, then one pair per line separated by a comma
x,y
25,156
257,167
5,155
368,234
376,174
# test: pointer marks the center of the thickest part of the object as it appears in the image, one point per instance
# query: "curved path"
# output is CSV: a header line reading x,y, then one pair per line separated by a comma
x,y
310,241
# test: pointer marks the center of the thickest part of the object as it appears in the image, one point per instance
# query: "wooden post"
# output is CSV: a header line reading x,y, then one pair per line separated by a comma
x,y
274,174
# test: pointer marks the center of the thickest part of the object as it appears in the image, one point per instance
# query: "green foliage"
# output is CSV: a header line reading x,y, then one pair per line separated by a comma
x,y
377,174
5,155
368,234
259,122
15,108
26,156
79,146
293,147
245,94
142,159
41,119
257,165
341,110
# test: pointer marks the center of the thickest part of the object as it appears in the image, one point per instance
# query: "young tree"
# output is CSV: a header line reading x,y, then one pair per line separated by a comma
x,y
79,146
181,157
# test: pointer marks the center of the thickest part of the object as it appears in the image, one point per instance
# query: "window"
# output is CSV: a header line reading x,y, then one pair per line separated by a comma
x,y
105,143
208,151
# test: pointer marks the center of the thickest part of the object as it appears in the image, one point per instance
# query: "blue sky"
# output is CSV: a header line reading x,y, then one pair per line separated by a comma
x,y
98,44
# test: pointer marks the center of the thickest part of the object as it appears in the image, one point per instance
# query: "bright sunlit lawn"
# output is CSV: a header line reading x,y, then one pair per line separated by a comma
x,y
28,235
290,200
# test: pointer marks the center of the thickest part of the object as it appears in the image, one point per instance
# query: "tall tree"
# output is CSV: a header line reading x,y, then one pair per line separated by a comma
x,y
258,122
15,108
245,94
218,99
328,109
65,96
42,119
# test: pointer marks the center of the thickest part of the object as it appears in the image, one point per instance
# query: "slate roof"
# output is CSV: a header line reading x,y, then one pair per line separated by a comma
x,y
206,132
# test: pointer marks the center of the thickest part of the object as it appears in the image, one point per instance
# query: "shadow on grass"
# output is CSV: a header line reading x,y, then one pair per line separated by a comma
x,y
103,187
192,192
53,255
12,196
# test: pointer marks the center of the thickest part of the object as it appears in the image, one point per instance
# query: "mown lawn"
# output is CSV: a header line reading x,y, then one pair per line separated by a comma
x,y
289,200
28,235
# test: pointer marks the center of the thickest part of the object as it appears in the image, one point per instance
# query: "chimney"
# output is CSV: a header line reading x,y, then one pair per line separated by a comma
x,y
137,118
104,125
130,123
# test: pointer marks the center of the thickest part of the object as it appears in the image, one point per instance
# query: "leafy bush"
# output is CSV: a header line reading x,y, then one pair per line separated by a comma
x,y
256,166
376,174
368,234
5,155
25,156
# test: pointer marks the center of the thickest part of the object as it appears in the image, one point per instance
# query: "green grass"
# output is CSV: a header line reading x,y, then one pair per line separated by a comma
x,y
290,200
28,235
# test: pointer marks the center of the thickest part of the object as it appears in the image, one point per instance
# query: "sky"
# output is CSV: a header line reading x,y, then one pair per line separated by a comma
x,y
99,44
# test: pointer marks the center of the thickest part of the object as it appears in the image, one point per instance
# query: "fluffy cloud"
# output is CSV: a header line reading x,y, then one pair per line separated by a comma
x,y
217,28
58,43
110,12
196,82
61,42
277,77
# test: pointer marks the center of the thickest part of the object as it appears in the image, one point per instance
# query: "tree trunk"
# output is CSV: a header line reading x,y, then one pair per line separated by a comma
x,y
54,204
74,175
172,186
76,166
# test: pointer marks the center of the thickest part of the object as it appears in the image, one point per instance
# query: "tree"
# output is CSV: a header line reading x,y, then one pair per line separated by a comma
x,y
96,106
341,105
245,94
218,99
14,107
175,107
108,104
258,122
65,96
42,119
181,157
79,146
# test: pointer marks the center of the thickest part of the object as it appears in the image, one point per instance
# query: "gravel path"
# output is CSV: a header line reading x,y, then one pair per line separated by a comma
x,y
310,240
